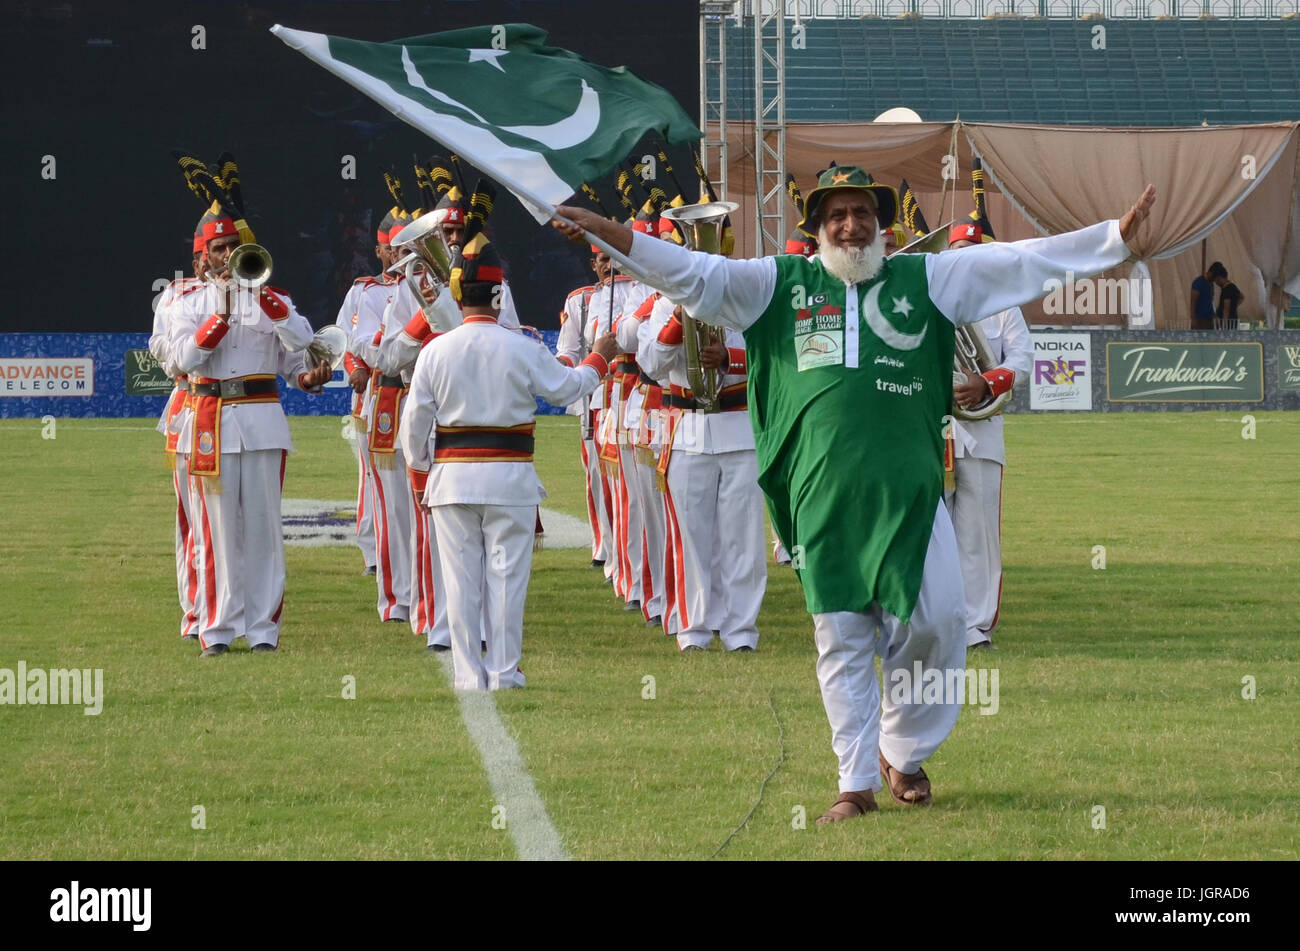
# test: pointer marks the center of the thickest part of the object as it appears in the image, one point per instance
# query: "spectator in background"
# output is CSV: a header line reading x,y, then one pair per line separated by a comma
x,y
1202,314
1225,317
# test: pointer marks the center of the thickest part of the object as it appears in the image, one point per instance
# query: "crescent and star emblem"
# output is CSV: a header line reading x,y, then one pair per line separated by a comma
x,y
882,328
565,133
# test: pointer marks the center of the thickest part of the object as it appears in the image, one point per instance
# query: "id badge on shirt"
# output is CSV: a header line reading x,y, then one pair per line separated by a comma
x,y
819,338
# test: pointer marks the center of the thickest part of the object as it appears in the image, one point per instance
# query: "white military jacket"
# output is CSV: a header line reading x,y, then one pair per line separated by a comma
x,y
253,345
483,376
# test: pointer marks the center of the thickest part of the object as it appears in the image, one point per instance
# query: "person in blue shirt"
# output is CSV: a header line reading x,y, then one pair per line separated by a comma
x,y
1203,296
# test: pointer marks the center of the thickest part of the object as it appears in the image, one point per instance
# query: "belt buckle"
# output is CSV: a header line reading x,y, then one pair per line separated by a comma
x,y
232,389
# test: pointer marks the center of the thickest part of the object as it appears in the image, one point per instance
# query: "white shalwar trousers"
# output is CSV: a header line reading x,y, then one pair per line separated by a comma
x,y
631,527
392,504
597,505
487,553
365,513
976,509
863,724
187,569
650,503
720,564
428,589
240,548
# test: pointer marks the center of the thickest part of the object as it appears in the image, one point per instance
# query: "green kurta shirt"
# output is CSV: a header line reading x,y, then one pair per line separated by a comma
x,y
851,457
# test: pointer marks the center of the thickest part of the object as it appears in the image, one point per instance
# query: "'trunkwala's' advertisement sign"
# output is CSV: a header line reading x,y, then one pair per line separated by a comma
x,y
1170,372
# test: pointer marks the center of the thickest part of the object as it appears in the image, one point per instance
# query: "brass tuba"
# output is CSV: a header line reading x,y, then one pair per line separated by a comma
x,y
971,349
701,227
424,244
972,353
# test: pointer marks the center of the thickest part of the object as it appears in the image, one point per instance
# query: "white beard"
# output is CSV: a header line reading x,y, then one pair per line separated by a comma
x,y
854,265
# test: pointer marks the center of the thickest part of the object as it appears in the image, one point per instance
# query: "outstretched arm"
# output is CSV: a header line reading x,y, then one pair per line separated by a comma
x,y
713,288
983,280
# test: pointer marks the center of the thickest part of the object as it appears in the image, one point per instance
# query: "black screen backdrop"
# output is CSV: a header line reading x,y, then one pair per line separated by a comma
x,y
97,94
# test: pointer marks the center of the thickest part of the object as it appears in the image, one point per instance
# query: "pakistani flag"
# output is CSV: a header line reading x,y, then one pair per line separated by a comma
x,y
539,120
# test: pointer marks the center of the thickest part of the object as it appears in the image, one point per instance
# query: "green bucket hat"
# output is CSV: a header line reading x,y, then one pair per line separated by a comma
x,y
850,176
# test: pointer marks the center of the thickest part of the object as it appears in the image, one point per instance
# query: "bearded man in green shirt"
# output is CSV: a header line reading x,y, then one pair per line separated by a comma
x,y
850,389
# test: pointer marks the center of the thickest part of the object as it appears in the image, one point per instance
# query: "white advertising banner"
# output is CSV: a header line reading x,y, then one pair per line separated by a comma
x,y
47,376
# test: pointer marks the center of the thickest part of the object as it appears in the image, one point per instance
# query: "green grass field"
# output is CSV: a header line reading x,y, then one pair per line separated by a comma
x,y
1120,688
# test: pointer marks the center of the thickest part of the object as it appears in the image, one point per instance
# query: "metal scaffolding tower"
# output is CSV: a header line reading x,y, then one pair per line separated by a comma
x,y
769,125
713,90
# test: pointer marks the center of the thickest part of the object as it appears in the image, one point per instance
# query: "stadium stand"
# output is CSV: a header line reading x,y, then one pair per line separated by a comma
x,y
1151,73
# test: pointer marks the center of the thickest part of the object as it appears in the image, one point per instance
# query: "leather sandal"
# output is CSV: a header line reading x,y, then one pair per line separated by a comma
x,y
863,802
902,784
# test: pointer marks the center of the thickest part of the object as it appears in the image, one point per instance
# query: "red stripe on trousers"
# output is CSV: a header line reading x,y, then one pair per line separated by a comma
x,y
381,541
209,566
625,559
647,580
187,550
421,556
679,573
591,499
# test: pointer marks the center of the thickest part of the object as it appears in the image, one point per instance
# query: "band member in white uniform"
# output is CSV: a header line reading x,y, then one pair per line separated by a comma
x,y
169,424
978,457
570,350
232,343
468,436
715,509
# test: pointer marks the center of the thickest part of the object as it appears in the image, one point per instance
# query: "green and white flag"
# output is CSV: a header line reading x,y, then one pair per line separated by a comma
x,y
539,120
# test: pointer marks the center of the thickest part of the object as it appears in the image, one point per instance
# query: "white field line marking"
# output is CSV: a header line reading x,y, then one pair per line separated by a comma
x,y
530,827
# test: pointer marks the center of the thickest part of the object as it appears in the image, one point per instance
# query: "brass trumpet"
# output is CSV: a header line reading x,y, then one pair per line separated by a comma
x,y
250,265
701,226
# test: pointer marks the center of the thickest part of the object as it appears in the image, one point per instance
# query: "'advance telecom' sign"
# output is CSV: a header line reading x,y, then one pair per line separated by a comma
x,y
1170,372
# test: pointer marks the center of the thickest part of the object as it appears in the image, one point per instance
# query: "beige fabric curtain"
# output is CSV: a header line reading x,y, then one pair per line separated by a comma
x,y
1059,178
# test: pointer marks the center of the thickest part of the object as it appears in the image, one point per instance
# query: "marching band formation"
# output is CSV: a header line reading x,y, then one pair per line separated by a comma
x,y
447,498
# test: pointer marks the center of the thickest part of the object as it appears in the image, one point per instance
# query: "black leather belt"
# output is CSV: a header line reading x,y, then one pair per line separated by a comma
x,y
233,389
648,381
396,381
626,366
726,401
515,442
183,385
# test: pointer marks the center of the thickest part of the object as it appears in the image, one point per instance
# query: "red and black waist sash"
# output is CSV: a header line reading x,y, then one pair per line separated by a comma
x,y
484,443
731,399
207,398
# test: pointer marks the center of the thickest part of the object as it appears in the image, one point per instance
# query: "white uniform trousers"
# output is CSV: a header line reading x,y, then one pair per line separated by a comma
x,y
392,504
428,589
631,528
650,502
365,514
487,553
976,510
187,574
906,733
597,505
239,544
720,564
